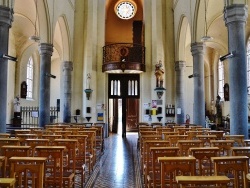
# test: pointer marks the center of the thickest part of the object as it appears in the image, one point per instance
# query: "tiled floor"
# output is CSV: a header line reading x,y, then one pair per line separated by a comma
x,y
118,167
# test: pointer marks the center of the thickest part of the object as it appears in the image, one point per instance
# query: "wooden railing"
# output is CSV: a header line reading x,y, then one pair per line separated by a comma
x,y
123,56
29,118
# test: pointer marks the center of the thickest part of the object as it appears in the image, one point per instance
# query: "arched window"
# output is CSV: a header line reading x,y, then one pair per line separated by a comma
x,y
29,81
248,67
221,80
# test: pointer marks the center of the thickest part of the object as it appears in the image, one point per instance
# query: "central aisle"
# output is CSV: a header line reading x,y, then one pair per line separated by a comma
x,y
118,167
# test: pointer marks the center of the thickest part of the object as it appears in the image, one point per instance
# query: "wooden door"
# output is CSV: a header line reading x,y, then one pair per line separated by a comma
x,y
127,88
132,116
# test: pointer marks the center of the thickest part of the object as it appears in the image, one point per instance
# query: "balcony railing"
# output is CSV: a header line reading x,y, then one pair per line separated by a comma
x,y
123,56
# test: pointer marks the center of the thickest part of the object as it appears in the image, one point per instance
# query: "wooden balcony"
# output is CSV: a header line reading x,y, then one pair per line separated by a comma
x,y
123,57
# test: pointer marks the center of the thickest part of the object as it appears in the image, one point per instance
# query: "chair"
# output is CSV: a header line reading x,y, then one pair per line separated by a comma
x,y
4,135
238,139
63,133
147,157
7,182
14,151
153,177
90,146
69,156
53,167
99,136
202,181
223,145
203,156
173,139
183,131
246,142
8,141
234,167
165,135
2,166
29,171
143,149
23,137
219,134
192,134
80,158
159,130
22,131
175,166
241,151
206,139
184,146
36,142
51,138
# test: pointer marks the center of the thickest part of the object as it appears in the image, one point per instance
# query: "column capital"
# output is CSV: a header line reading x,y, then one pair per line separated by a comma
x,y
180,65
46,48
6,16
197,48
235,13
68,65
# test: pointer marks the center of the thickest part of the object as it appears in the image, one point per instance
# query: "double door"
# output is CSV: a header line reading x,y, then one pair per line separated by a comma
x,y
124,94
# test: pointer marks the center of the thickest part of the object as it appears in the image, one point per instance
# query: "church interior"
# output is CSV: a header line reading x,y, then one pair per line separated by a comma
x,y
119,72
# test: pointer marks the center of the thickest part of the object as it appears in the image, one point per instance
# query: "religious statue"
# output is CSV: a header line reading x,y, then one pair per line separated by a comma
x,y
218,110
17,104
88,80
159,72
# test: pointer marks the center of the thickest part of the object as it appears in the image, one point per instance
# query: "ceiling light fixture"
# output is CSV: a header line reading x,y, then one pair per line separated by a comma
x,y
35,37
206,37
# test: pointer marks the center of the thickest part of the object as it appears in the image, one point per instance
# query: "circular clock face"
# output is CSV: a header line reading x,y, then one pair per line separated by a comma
x,y
125,9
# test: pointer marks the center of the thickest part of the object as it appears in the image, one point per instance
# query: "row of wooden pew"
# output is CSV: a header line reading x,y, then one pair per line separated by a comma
x,y
169,155
50,157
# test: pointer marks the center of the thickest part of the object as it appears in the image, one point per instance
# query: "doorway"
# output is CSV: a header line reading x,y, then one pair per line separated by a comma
x,y
124,97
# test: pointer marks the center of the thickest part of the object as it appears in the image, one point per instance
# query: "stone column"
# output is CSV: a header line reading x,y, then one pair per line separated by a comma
x,y
235,18
179,101
67,69
46,51
6,18
197,50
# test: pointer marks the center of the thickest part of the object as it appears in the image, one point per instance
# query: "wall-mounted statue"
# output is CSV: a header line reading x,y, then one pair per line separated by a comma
x,y
159,73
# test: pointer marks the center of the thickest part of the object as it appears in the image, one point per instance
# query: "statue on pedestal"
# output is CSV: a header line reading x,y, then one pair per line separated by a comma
x,y
17,104
159,72
218,110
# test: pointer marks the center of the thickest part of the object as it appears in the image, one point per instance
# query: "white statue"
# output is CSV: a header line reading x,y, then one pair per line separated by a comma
x,y
17,104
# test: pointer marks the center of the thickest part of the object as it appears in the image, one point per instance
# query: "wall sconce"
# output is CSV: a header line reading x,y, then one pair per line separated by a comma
x,y
88,91
229,55
193,75
4,56
50,75
159,91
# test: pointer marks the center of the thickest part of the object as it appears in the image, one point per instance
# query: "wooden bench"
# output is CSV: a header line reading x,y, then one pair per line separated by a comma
x,y
202,181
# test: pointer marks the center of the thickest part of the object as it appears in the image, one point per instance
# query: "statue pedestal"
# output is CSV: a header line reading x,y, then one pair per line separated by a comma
x,y
16,122
159,91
